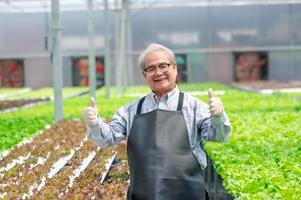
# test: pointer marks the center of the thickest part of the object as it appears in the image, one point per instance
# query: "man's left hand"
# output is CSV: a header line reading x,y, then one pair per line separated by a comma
x,y
215,104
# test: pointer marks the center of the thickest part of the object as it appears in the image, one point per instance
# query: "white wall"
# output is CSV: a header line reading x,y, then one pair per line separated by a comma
x,y
38,72
220,67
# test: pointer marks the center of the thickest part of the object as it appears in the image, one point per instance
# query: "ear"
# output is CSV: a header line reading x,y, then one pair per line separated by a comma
x,y
143,73
175,66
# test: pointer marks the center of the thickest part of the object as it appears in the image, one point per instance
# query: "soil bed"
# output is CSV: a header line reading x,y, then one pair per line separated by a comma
x,y
6,104
33,162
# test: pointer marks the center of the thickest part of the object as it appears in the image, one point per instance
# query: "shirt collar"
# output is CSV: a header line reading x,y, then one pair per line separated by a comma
x,y
167,97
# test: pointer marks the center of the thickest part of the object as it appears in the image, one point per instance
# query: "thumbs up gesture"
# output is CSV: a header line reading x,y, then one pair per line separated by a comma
x,y
215,104
90,113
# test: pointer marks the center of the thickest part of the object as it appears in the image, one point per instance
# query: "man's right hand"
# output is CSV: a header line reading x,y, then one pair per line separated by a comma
x,y
91,113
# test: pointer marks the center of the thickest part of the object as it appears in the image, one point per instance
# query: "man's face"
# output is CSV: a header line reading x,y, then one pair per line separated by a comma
x,y
163,79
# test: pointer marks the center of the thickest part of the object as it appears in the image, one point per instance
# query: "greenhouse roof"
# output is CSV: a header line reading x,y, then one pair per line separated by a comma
x,y
7,6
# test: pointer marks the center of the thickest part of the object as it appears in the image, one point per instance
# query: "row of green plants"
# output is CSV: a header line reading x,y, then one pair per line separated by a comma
x,y
8,92
26,93
260,161
295,96
24,123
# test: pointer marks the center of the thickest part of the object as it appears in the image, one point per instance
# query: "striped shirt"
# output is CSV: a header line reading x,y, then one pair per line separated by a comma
x,y
201,126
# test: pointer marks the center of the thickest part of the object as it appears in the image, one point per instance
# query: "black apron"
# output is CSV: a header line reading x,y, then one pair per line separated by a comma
x,y
161,163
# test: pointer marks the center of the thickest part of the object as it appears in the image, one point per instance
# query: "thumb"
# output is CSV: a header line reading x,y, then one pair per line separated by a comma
x,y
210,93
93,103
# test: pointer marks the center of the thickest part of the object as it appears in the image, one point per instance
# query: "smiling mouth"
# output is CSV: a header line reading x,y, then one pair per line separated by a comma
x,y
159,80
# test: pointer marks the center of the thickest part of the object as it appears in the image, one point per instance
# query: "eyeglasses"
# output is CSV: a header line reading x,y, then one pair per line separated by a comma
x,y
151,70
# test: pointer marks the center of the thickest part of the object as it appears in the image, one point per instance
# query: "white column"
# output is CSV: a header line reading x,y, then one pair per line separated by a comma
x,y
91,32
57,59
107,50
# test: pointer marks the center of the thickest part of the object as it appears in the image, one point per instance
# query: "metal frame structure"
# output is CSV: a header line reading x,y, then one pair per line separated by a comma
x,y
118,47
79,5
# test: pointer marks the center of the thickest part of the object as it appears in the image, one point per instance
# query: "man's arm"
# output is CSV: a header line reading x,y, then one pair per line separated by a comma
x,y
215,124
215,128
103,134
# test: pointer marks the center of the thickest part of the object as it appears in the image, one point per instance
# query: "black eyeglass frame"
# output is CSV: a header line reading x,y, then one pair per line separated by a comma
x,y
163,67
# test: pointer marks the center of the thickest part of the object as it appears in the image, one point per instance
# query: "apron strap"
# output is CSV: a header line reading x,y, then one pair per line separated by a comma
x,y
140,106
180,102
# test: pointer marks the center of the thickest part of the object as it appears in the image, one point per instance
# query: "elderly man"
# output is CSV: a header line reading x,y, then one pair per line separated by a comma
x,y
165,132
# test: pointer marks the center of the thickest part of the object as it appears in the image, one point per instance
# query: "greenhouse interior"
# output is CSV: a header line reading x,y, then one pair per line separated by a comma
x,y
243,55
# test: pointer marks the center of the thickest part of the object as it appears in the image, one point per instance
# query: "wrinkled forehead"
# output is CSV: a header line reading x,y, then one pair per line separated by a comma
x,y
156,57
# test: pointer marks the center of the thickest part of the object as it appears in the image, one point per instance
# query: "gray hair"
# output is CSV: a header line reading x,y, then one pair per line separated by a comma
x,y
153,48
